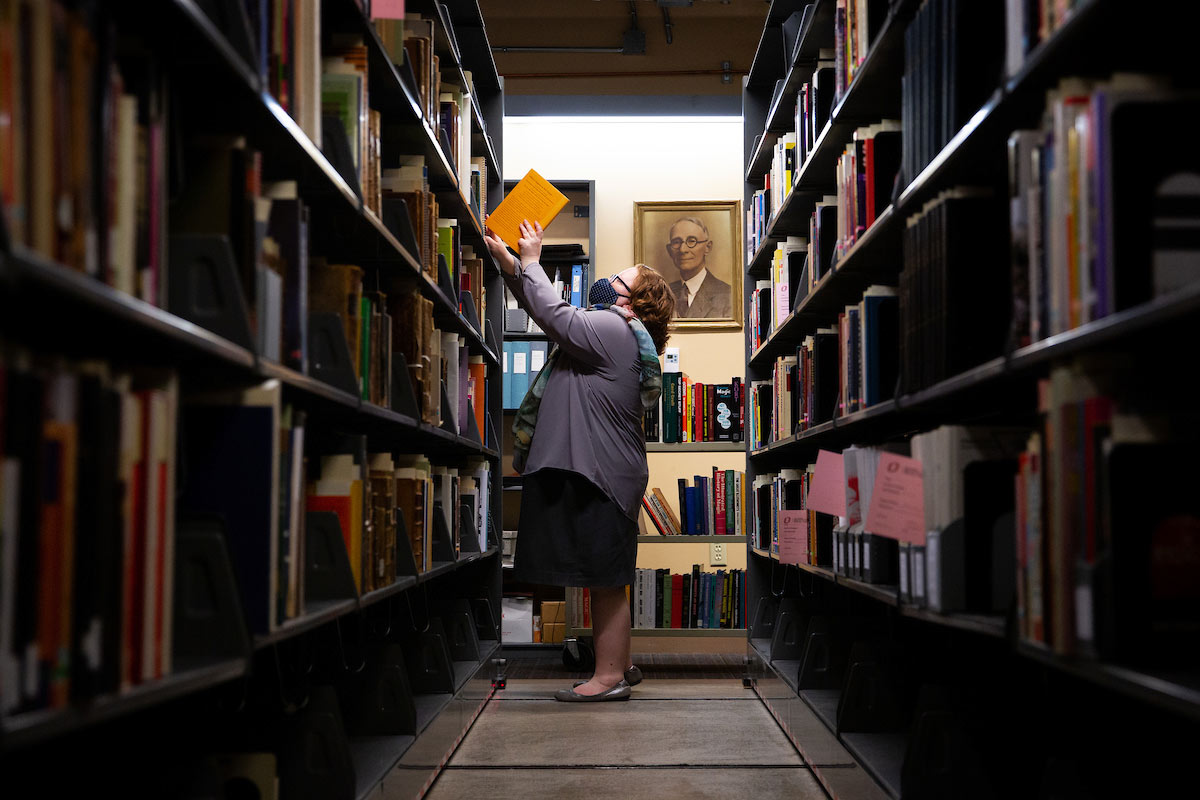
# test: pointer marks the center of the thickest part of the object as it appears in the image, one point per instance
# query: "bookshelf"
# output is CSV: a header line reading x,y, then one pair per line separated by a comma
x,y
424,636
952,653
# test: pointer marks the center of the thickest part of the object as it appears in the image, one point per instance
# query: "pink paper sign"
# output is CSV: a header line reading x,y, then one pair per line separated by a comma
x,y
828,491
793,537
387,9
898,501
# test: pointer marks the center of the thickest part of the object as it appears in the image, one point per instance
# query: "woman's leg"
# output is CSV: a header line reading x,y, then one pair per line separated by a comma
x,y
610,633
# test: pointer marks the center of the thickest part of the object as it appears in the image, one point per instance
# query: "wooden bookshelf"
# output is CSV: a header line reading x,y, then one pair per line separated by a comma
x,y
221,92
1095,40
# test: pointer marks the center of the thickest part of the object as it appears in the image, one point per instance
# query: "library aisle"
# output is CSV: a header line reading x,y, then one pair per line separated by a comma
x,y
676,737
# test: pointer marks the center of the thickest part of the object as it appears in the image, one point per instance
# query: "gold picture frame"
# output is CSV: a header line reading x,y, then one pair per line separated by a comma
x,y
661,235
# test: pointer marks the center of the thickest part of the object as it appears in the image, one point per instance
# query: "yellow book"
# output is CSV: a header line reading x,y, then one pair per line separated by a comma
x,y
533,199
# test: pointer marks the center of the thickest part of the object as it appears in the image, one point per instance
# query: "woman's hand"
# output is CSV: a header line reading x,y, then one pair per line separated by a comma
x,y
499,250
530,243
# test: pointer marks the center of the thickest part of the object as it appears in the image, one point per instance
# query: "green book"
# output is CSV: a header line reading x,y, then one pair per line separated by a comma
x,y
730,503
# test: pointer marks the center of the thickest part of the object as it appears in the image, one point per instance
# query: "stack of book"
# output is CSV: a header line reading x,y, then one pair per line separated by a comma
x,y
855,25
865,175
713,505
699,599
868,356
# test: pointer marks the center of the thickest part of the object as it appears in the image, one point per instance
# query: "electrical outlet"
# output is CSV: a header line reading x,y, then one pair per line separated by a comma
x,y
716,555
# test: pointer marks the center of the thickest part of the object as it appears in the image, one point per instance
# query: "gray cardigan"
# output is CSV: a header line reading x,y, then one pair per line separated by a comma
x,y
590,421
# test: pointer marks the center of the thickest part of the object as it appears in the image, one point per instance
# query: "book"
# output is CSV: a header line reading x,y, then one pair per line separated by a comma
x,y
533,198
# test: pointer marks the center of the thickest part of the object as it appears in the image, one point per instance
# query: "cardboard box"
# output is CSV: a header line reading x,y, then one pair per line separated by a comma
x,y
553,632
554,611
516,619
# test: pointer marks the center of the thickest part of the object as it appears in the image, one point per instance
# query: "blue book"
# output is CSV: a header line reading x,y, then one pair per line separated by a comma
x,y
693,510
520,372
880,323
538,352
577,285
506,395
702,503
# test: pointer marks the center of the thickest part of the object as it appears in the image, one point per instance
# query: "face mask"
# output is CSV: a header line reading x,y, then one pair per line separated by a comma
x,y
602,292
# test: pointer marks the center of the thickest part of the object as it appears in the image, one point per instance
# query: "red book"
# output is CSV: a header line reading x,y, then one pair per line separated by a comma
x,y
338,504
868,165
1097,417
676,601
719,501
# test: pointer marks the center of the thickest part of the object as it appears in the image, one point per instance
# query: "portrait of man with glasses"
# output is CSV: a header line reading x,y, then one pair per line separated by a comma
x,y
698,293
697,246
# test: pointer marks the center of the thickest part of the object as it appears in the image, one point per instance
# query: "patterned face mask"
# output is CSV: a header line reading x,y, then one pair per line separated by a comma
x,y
603,292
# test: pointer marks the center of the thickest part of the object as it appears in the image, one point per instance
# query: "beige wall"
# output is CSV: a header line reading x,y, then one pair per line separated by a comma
x,y
636,159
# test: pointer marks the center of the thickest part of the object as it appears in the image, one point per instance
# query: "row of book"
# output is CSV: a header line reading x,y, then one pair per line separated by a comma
x,y
953,62
1082,210
866,173
568,281
101,468
856,23
695,600
86,194
712,505
689,411
1107,549
523,360
814,106
835,370
1030,23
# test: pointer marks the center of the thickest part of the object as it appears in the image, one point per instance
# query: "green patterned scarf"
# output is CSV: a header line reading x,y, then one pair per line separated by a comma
x,y
650,386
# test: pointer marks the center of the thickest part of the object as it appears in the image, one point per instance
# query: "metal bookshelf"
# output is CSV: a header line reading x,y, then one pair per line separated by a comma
x,y
1003,387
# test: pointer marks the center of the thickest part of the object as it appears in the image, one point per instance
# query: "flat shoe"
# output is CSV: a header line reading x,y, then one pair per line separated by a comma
x,y
633,676
618,692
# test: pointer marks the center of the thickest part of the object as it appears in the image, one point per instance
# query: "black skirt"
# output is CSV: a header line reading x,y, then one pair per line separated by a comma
x,y
572,534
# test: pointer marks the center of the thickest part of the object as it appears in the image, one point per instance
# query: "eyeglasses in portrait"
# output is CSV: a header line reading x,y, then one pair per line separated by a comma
x,y
696,245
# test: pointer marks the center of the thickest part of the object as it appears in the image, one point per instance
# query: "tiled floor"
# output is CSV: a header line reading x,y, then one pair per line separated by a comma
x,y
677,737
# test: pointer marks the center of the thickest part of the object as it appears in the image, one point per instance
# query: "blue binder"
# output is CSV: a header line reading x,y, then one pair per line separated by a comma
x,y
520,372
577,285
506,395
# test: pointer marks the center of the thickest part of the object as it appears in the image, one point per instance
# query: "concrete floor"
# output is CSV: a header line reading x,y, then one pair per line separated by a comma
x,y
674,738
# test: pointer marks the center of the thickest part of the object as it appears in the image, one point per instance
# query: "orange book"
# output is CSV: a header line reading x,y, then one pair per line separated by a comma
x,y
479,395
533,198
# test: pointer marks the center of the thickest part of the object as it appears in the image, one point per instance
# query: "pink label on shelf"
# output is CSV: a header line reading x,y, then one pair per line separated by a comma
x,y
387,9
828,491
898,502
793,537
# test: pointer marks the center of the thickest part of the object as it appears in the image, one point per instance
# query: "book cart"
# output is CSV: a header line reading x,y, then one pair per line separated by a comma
x,y
883,694
360,692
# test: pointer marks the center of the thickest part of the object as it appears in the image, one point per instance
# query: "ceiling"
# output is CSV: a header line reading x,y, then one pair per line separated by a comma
x,y
712,45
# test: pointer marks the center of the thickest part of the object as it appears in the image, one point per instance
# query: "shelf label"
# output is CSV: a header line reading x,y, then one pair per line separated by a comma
x,y
898,500
828,491
793,537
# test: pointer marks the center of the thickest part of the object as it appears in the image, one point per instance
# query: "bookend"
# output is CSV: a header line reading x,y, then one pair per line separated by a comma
x,y
329,354
939,760
787,640
406,562
404,396
446,282
762,624
441,541
487,627
327,573
468,310
461,637
379,700
489,336
471,431
313,752
430,669
868,703
208,618
945,563
493,439
336,147
447,419
204,286
408,77
881,559
466,523
397,220
824,554
826,648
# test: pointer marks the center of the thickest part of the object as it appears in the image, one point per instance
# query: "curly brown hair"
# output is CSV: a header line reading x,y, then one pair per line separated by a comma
x,y
654,303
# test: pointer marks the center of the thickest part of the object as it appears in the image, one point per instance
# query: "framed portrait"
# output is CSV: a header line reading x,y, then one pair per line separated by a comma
x,y
697,247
